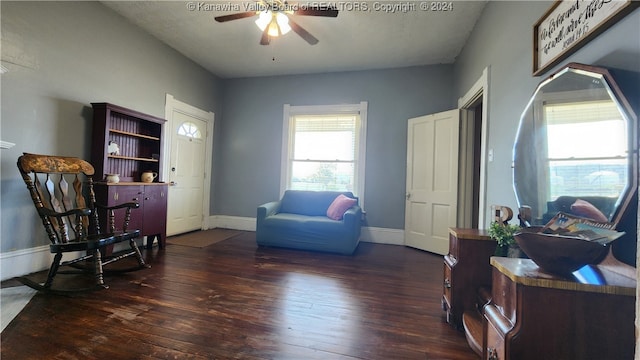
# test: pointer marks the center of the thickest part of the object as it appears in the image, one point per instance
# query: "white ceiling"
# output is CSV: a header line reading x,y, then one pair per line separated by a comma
x,y
355,40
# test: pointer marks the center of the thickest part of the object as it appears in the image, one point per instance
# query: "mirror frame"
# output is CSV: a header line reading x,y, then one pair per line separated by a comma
x,y
628,194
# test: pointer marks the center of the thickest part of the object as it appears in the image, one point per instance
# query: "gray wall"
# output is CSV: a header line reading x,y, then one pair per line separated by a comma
x,y
61,57
248,164
502,41
72,53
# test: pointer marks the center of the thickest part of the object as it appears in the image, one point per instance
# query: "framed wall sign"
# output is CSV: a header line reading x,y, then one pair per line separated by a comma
x,y
569,24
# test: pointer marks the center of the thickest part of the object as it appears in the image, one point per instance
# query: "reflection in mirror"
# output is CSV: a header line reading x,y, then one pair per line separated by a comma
x,y
575,147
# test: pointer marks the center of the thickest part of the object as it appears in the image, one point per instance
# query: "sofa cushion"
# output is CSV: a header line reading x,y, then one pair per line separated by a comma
x,y
303,223
322,224
312,203
284,220
339,206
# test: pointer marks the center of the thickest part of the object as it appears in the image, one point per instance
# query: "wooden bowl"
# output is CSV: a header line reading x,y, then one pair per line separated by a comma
x,y
559,254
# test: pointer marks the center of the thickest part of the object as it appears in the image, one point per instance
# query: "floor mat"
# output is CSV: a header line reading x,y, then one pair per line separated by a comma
x,y
204,238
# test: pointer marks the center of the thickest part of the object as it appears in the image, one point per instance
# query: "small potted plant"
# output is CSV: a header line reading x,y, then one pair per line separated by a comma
x,y
503,234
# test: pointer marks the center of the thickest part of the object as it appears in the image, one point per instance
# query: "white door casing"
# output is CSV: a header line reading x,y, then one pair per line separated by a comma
x,y
479,89
189,167
432,180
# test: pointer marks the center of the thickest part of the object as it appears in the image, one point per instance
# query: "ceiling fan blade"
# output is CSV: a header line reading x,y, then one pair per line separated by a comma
x,y
237,16
265,39
327,11
302,32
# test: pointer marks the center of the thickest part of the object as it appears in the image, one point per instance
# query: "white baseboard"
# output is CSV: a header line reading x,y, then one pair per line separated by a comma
x,y
369,234
27,261
22,262
232,222
382,235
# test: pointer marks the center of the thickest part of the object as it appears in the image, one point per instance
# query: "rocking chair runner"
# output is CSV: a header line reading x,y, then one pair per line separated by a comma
x,y
71,217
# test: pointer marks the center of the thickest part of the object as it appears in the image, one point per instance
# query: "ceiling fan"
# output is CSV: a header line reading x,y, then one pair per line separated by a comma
x,y
275,18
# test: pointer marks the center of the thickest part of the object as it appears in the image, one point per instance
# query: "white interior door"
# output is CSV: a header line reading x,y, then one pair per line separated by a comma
x,y
432,180
189,164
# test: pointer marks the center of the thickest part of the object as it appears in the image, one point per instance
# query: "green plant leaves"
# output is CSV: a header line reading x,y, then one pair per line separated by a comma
x,y
503,234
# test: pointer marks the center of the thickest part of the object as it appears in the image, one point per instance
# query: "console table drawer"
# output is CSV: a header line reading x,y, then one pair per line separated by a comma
x,y
494,349
446,292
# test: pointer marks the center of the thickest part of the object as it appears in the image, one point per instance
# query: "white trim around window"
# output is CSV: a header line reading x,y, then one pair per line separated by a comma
x,y
291,111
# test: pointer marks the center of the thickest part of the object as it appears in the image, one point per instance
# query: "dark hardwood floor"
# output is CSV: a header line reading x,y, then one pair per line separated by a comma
x,y
233,300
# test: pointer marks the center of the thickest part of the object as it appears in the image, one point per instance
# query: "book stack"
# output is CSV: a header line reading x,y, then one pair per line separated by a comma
x,y
564,224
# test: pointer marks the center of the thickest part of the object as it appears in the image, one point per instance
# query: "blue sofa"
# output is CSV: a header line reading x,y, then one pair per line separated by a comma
x,y
299,220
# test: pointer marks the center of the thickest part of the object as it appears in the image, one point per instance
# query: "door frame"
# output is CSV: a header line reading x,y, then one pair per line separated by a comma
x,y
171,105
465,104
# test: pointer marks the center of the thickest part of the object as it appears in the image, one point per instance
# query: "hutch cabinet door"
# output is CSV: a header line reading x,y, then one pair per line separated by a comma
x,y
155,210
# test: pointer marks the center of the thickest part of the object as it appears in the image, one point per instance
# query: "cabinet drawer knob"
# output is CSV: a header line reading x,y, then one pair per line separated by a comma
x,y
447,283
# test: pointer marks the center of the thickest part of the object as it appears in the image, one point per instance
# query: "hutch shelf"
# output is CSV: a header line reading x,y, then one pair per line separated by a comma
x,y
137,136
127,142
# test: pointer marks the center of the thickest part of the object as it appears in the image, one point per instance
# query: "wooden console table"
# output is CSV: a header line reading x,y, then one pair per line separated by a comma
x,y
535,315
466,269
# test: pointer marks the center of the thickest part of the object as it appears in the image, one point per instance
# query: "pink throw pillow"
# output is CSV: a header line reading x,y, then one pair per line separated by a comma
x,y
339,206
586,209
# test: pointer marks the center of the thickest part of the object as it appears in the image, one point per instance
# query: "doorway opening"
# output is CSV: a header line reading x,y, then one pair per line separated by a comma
x,y
473,139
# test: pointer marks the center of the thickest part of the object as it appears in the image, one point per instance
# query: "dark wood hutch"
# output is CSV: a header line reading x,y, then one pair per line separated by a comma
x,y
139,139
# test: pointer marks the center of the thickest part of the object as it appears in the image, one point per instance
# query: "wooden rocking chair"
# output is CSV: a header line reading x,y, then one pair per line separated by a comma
x,y
72,220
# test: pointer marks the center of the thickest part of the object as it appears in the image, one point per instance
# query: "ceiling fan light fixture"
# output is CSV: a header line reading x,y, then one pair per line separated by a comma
x,y
277,23
275,19
283,23
274,29
264,19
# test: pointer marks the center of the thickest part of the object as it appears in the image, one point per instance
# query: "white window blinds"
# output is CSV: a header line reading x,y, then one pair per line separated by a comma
x,y
586,163
324,152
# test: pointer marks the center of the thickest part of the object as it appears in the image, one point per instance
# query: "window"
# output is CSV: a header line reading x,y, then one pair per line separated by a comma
x,y
324,148
588,164
189,129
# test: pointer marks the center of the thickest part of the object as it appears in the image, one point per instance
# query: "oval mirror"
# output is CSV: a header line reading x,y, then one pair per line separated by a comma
x,y
576,148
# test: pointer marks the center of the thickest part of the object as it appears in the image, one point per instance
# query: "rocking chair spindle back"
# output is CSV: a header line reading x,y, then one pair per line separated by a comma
x,y
71,216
